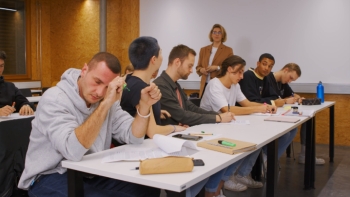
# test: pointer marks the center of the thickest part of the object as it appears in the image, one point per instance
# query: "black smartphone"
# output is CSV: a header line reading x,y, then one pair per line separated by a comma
x,y
198,162
188,137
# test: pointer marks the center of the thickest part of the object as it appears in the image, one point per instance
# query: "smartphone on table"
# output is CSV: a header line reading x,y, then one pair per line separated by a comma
x,y
188,137
198,162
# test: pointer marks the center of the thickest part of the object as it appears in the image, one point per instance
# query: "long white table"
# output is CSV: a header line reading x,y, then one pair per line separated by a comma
x,y
259,131
34,99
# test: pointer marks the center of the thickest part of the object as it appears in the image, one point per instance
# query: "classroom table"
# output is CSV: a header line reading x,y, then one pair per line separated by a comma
x,y
310,152
258,131
34,99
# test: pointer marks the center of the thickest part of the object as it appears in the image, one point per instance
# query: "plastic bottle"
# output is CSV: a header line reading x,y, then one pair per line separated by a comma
x,y
320,91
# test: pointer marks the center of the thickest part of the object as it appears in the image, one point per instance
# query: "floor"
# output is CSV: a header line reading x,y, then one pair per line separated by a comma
x,y
332,179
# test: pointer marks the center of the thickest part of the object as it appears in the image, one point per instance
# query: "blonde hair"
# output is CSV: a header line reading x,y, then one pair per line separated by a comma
x,y
223,31
293,67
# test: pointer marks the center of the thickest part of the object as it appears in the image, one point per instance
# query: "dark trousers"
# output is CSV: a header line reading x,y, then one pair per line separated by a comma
x,y
56,185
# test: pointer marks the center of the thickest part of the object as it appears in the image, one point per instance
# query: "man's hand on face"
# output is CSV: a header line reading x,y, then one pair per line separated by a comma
x,y
114,90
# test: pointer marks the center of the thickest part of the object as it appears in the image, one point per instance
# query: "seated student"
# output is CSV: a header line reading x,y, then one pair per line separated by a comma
x,y
256,88
174,100
279,83
79,116
183,111
222,92
146,56
11,99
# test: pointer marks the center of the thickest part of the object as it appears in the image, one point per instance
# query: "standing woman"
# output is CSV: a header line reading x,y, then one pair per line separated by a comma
x,y
211,56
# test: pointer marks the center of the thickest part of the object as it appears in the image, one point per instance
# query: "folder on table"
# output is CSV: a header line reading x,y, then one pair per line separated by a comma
x,y
282,119
241,146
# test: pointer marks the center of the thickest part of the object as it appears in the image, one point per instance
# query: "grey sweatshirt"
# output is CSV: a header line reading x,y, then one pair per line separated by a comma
x,y
53,139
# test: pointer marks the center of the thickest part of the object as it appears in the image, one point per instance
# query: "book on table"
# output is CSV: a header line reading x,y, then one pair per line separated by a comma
x,y
282,119
240,146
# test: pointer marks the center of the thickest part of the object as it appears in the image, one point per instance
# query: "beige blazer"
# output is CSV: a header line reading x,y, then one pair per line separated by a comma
x,y
221,54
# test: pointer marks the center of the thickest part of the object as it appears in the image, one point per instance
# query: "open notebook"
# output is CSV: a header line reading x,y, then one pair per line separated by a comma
x,y
282,119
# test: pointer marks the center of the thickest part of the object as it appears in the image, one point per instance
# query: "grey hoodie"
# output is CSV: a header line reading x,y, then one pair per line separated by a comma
x,y
53,139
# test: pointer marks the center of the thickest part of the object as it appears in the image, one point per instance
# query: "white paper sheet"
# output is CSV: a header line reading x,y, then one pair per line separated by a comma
x,y
122,154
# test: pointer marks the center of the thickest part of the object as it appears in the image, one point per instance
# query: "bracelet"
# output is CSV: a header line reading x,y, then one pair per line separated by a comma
x,y
174,128
220,117
137,109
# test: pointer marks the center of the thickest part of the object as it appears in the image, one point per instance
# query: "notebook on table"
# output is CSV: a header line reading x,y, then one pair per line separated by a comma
x,y
282,119
241,146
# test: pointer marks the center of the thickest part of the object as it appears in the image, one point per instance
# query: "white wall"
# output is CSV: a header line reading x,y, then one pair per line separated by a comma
x,y
314,34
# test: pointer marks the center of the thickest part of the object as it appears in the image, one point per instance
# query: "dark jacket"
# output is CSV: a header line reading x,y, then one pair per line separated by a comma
x,y
9,93
190,114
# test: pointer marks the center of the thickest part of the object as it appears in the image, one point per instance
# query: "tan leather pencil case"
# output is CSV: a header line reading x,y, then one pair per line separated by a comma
x,y
166,165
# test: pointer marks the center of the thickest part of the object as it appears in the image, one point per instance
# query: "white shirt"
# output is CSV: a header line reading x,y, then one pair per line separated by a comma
x,y
212,55
217,96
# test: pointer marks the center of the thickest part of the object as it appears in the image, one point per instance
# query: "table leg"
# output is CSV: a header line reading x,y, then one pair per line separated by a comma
x,y
272,168
75,183
309,171
175,194
288,151
331,133
256,170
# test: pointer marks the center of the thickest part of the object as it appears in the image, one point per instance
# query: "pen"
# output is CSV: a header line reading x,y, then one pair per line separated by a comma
x,y
199,134
228,105
136,168
125,87
286,112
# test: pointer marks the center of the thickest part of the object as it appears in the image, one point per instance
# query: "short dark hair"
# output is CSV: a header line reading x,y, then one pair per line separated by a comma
x,y
180,51
141,50
232,61
266,55
3,55
293,67
112,61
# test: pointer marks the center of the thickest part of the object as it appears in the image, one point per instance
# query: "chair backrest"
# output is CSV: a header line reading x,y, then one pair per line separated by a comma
x,y
26,92
196,101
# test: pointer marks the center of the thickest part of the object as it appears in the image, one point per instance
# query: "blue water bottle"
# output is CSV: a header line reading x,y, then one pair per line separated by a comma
x,y
320,91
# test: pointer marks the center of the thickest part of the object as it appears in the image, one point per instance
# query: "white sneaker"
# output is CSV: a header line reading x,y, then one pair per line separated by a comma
x,y
249,182
318,161
234,186
220,195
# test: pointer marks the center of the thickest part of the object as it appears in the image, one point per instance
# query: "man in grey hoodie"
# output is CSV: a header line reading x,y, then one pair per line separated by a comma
x,y
80,116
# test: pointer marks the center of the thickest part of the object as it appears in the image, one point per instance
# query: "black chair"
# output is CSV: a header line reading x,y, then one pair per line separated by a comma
x,y
14,140
26,92
196,101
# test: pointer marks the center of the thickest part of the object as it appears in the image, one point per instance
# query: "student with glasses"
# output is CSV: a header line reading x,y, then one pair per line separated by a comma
x,y
211,56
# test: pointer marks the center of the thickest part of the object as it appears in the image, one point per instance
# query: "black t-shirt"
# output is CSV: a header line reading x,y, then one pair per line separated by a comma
x,y
255,88
132,98
282,90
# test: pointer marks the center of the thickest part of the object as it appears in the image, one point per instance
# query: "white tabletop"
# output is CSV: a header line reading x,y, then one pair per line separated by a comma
x,y
259,131
34,99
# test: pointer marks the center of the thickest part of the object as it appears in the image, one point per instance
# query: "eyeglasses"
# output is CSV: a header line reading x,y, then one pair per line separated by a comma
x,y
217,32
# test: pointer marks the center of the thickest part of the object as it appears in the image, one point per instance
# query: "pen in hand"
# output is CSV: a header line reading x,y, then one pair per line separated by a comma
x,y
228,106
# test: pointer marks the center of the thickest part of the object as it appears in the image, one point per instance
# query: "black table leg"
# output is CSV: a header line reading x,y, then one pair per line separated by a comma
x,y
272,168
309,171
75,183
331,133
175,194
256,170
288,151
